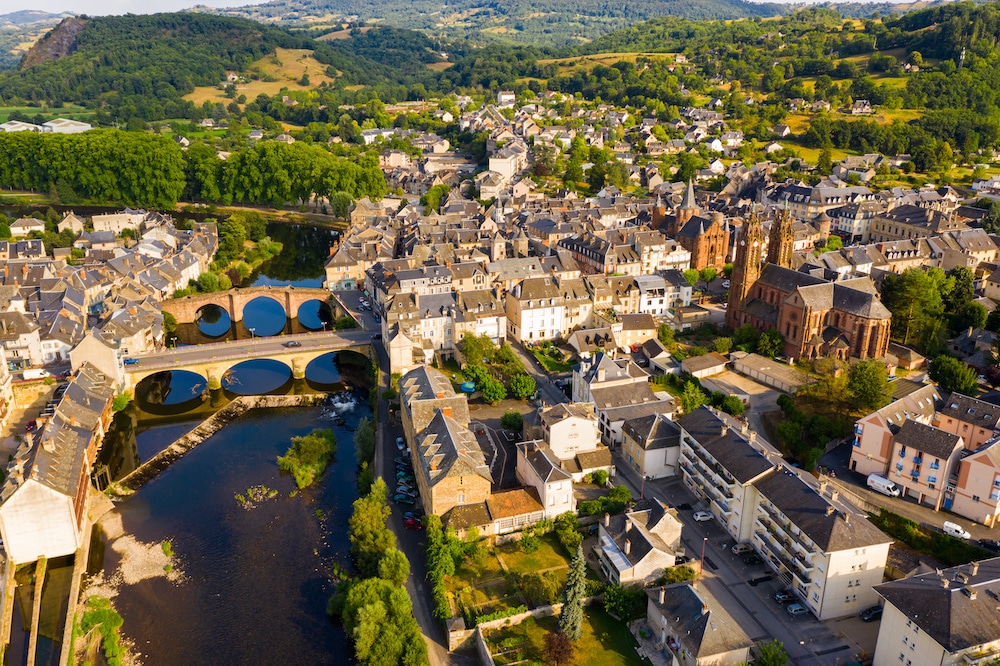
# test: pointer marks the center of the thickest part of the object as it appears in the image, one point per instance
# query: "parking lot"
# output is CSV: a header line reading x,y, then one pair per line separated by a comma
x,y
353,301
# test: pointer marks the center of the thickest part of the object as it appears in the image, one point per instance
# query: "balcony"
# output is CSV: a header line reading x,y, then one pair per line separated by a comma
x,y
902,453
783,530
914,473
713,470
917,459
780,559
935,465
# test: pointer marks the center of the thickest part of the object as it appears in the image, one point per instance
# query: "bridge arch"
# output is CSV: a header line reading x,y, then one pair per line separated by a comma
x,y
234,301
316,314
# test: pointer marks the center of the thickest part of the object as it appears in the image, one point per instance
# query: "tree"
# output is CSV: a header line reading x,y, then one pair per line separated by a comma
x,y
370,538
523,386
691,275
915,299
722,345
825,163
770,344
692,398
665,335
477,349
493,391
962,291
868,382
771,653
953,375
308,456
512,420
571,616
558,648
733,405
394,567
624,601
378,616
972,315
708,274
364,440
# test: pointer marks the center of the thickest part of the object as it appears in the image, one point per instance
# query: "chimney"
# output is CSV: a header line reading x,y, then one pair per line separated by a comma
x,y
822,487
971,593
830,510
628,525
945,583
446,411
724,430
753,436
433,464
439,395
847,518
607,519
663,594
628,546
834,495
974,568
704,609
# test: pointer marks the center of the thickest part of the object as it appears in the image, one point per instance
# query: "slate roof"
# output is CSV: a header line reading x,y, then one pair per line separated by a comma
x,y
830,527
928,439
730,448
447,448
700,620
543,461
599,457
971,410
653,432
960,616
464,516
623,395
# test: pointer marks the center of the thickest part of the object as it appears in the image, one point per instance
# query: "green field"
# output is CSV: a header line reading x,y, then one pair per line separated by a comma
x,y
69,111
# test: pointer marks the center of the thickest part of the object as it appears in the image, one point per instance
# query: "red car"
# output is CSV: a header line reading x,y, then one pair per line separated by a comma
x,y
31,425
413,524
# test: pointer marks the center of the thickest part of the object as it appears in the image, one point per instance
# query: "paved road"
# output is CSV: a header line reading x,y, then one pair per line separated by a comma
x,y
547,390
248,348
350,300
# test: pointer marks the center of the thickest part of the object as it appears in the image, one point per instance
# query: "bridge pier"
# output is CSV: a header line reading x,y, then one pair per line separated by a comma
x,y
299,367
214,374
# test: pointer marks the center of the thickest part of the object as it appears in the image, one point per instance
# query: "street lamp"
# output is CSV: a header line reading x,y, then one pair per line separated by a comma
x,y
701,565
253,340
801,645
642,489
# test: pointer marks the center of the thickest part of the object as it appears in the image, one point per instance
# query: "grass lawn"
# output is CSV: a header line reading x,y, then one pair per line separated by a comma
x,y
550,364
66,111
605,641
549,554
468,573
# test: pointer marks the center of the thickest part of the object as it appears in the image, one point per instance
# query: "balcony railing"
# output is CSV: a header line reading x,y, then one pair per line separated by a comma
x,y
935,465
783,529
917,459
778,555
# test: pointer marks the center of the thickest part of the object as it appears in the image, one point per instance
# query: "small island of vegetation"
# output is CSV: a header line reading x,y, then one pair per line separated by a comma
x,y
308,456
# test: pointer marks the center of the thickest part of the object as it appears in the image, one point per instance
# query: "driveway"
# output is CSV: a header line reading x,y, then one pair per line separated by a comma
x,y
547,390
350,300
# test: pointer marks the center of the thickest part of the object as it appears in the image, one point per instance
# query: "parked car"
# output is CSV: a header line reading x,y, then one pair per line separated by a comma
x,y
399,498
796,609
30,427
702,516
990,544
784,596
413,524
291,343
682,559
741,548
400,443
955,530
871,614
399,460
752,559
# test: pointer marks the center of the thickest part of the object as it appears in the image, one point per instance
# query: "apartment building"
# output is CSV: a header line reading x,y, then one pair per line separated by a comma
x,y
651,445
872,445
536,310
539,468
828,553
941,618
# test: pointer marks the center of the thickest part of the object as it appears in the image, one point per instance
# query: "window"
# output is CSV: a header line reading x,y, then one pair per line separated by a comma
x,y
975,498
461,498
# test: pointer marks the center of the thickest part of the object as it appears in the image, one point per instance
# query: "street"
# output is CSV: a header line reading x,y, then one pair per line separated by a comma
x,y
242,349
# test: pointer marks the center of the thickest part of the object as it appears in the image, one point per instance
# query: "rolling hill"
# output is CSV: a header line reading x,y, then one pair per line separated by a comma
x,y
549,23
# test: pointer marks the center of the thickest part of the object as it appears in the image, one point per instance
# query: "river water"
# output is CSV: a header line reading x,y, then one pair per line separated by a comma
x,y
255,582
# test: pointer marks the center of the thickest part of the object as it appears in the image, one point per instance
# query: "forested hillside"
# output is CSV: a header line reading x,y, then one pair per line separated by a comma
x,y
552,23
143,65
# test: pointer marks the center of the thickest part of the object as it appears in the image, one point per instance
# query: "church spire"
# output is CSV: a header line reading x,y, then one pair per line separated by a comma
x,y
689,202
746,268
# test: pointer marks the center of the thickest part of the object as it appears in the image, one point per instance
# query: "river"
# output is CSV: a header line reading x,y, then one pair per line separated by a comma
x,y
254,583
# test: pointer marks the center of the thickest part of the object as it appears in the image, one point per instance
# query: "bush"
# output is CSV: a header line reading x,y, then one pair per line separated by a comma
x,y
308,456
493,391
522,386
950,550
627,603
120,402
616,501
512,420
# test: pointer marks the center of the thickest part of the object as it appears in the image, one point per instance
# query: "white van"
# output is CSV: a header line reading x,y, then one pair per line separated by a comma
x,y
951,529
36,373
882,485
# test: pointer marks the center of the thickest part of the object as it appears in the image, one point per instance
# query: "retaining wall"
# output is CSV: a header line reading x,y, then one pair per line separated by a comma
x,y
162,460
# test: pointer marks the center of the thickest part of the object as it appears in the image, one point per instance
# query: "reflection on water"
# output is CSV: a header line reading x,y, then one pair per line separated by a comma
x,y
256,582
264,316
52,616
213,321
316,315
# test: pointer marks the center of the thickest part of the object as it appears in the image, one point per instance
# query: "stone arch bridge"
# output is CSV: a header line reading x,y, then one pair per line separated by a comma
x,y
213,361
185,310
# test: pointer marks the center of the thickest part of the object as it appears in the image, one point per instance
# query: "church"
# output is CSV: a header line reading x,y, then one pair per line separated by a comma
x,y
817,317
705,237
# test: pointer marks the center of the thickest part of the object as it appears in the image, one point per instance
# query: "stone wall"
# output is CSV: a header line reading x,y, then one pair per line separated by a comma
x,y
152,467
185,310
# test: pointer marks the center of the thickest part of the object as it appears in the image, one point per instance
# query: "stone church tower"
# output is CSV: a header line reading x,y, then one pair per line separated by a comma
x,y
746,268
782,240
688,209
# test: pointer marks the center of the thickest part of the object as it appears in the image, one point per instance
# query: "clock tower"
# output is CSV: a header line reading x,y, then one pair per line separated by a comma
x,y
746,268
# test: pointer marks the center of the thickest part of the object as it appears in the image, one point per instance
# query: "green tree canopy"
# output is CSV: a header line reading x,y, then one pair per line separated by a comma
x,y
952,374
370,538
868,382
522,386
574,592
